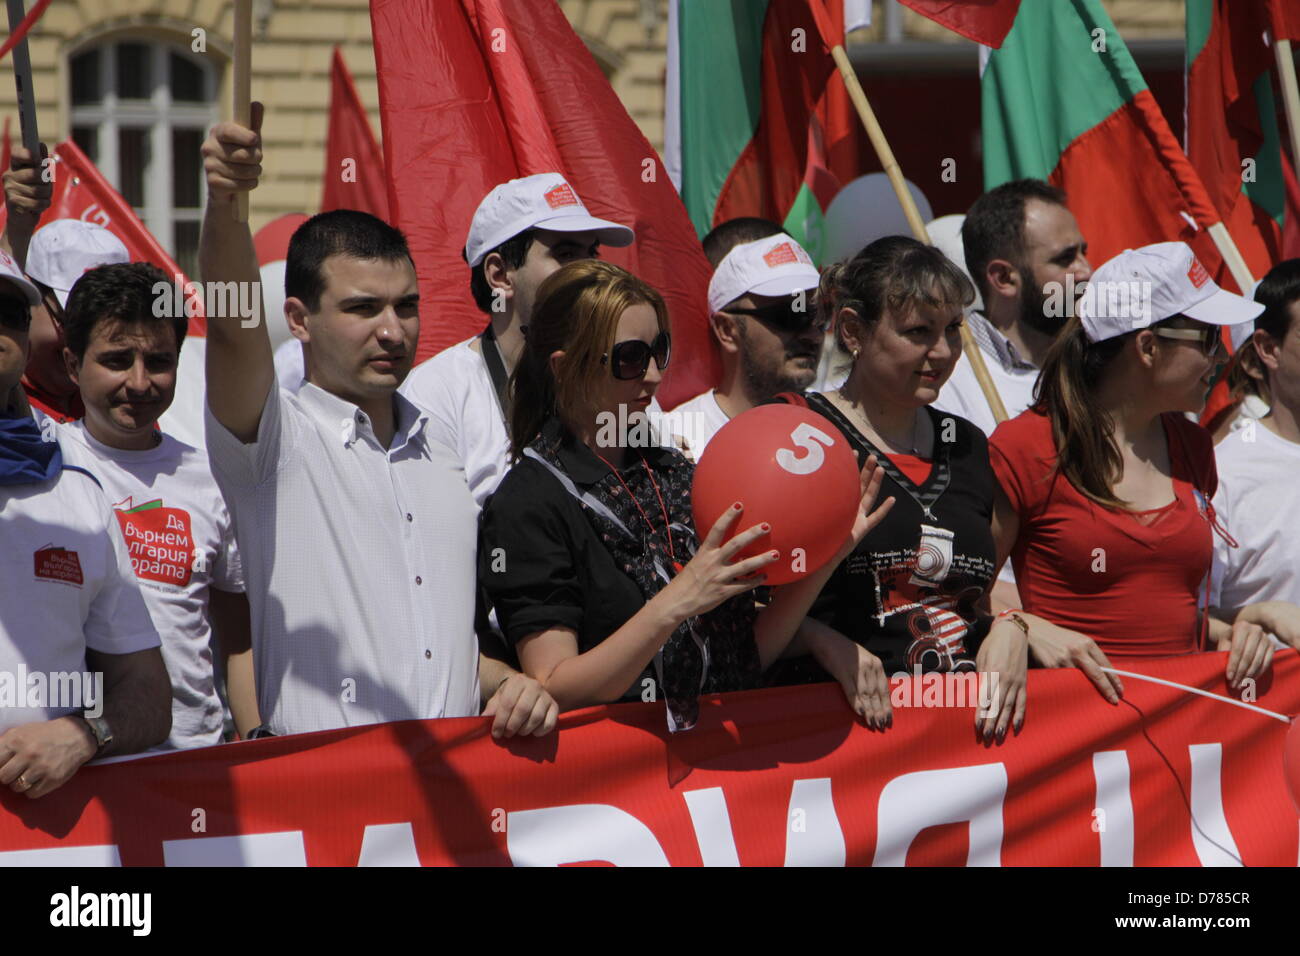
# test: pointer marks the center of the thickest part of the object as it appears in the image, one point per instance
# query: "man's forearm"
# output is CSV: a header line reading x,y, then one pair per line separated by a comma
x,y
491,673
137,696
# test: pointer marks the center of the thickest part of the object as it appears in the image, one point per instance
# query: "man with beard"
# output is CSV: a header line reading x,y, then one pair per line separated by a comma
x,y
1029,262
762,314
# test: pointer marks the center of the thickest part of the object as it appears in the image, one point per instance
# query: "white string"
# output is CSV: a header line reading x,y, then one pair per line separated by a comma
x,y
1203,693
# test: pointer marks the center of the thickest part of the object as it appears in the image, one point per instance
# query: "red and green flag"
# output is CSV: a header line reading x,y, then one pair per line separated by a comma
x,y
1233,134
984,21
758,121
1062,100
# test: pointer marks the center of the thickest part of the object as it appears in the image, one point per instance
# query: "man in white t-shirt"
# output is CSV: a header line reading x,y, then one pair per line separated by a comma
x,y
765,322
1258,497
1029,262
357,531
80,671
523,231
124,359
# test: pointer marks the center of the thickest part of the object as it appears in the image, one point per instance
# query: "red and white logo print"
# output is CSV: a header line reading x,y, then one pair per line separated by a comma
x,y
158,539
58,564
561,195
780,255
1197,274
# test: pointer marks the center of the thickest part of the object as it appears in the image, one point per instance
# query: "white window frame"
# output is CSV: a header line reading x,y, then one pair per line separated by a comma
x,y
158,114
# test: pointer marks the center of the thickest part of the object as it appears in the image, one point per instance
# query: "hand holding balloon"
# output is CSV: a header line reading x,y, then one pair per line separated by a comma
x,y
711,577
869,481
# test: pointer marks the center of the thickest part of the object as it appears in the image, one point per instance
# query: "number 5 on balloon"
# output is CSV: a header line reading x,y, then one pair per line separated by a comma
x,y
805,436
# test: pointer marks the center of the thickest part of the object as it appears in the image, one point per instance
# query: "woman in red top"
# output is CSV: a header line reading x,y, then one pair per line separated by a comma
x,y
1105,485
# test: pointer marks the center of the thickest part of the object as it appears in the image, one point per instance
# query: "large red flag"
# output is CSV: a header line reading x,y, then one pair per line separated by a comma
x,y
82,192
354,163
984,21
475,92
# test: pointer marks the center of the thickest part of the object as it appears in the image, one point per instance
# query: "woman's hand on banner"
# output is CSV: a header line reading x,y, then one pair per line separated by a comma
x,y
1001,665
1053,646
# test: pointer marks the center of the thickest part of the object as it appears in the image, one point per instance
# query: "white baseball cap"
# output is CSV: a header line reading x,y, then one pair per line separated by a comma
x,y
776,265
9,271
66,249
1140,287
543,201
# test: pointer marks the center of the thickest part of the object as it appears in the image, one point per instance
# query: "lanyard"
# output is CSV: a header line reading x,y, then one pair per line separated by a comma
x,y
668,532
496,369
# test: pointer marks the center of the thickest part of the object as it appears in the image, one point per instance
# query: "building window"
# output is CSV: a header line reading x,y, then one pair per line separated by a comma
x,y
140,110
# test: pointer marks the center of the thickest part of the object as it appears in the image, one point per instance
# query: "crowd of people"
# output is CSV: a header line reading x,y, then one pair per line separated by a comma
x,y
384,543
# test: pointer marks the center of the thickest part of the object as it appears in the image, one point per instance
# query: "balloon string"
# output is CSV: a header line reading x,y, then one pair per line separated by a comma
x,y
1203,693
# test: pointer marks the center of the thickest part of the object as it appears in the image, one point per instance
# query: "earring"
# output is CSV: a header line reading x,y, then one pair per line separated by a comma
x,y
855,354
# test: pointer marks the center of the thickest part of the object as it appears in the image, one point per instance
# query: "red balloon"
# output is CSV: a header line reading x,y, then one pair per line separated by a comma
x,y
1291,761
789,467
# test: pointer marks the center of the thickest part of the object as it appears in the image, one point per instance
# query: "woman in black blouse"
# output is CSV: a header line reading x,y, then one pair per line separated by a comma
x,y
588,551
912,595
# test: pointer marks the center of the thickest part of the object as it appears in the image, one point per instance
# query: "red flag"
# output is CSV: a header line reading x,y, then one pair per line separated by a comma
x,y
354,163
475,92
984,21
82,192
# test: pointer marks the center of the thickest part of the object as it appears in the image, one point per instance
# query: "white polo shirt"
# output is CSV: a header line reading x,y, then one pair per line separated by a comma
x,y
695,421
1014,376
181,543
456,391
359,562
66,584
1257,502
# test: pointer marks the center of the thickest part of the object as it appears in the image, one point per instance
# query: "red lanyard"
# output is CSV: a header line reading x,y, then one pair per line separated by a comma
x,y
668,531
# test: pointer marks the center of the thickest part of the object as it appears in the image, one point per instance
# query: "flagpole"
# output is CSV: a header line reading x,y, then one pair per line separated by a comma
x,y
23,81
1232,257
1290,94
242,84
895,174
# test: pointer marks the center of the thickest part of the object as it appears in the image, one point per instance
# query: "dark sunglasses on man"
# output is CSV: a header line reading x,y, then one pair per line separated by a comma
x,y
629,360
15,313
782,316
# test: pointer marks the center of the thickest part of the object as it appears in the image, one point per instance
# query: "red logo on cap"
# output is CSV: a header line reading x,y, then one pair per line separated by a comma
x,y
780,255
561,195
58,564
1197,273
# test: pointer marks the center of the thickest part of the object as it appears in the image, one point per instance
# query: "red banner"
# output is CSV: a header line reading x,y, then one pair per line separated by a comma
x,y
772,777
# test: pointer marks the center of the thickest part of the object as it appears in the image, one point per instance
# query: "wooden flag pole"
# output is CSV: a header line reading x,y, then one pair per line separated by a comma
x,y
242,93
1290,94
1232,257
895,174
23,82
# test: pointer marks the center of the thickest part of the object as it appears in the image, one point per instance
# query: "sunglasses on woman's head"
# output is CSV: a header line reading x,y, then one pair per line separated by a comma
x,y
629,360
1208,337
784,317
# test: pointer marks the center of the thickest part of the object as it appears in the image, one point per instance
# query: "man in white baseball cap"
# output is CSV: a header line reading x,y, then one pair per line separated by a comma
x,y
1141,287
60,253
523,230
762,315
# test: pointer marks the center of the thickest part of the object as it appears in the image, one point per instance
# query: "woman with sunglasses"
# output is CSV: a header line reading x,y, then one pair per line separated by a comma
x,y
913,596
1105,485
587,549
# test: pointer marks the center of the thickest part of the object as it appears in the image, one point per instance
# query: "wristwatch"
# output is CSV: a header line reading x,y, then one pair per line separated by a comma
x,y
103,734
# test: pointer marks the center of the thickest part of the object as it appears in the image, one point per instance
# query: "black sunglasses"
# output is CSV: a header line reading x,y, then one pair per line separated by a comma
x,y
784,317
630,359
15,314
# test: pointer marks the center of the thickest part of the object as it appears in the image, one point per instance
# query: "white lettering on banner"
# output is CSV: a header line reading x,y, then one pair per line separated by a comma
x,y
911,802
388,844
1212,838
244,849
553,836
712,825
1110,770
95,855
820,841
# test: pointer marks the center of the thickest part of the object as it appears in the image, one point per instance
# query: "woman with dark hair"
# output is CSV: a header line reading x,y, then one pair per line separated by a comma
x,y
588,550
1258,462
1105,486
912,596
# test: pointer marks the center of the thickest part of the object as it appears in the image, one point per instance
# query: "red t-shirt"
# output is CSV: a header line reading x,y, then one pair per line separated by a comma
x,y
1130,581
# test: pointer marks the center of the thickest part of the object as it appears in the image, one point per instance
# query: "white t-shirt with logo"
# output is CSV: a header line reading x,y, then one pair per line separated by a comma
x,y
695,421
455,390
65,585
1258,502
181,542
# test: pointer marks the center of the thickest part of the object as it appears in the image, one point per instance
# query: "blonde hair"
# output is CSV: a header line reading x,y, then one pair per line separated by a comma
x,y
576,312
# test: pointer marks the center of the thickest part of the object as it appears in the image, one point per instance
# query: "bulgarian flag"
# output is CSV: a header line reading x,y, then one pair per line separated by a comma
x,y
1062,100
757,120
1233,136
